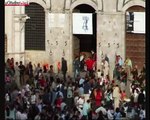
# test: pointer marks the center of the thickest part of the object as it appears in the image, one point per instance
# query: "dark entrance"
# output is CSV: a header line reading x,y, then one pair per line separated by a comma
x,y
86,42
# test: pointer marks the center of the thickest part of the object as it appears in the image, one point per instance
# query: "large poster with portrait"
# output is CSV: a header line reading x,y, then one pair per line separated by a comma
x,y
82,23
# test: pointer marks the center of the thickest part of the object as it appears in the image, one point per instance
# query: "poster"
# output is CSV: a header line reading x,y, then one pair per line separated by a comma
x,y
82,23
139,22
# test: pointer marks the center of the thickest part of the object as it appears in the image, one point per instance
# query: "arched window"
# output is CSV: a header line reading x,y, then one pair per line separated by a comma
x,y
35,27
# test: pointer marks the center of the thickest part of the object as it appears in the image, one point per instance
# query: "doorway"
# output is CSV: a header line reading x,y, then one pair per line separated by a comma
x,y
85,43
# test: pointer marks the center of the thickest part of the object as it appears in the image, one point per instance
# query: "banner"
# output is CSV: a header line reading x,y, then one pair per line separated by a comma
x,y
139,22
82,23
135,22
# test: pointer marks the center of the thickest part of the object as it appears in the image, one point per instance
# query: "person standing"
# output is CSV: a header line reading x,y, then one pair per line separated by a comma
x,y
120,61
106,58
141,97
64,68
98,97
116,96
82,63
30,70
90,64
86,109
106,68
76,64
17,74
22,71
128,65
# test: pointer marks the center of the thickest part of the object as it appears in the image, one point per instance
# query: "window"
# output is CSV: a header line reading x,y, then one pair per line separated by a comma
x,y
35,27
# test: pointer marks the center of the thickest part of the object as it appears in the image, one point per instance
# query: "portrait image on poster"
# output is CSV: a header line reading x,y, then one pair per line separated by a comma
x,y
82,23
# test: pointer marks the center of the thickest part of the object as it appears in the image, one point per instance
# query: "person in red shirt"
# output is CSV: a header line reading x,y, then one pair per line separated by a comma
x,y
98,97
42,81
123,95
90,64
11,64
59,100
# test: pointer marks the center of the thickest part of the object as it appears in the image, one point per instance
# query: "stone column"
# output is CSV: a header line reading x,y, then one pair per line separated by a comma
x,y
110,37
19,19
9,29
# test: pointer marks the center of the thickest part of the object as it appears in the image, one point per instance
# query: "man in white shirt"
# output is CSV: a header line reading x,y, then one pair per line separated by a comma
x,y
23,116
110,113
18,115
80,103
116,96
101,108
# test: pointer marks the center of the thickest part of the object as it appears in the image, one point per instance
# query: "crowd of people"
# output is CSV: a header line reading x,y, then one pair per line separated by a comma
x,y
38,93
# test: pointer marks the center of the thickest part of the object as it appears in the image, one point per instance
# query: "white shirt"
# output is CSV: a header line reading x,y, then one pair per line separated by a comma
x,y
80,102
135,97
102,81
40,107
99,74
101,109
76,99
110,115
18,115
23,116
33,99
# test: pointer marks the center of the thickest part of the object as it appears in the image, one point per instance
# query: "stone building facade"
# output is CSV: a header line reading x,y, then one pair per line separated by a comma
x,y
59,39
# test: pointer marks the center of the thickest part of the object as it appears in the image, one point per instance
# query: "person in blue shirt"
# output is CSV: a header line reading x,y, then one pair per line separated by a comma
x,y
117,114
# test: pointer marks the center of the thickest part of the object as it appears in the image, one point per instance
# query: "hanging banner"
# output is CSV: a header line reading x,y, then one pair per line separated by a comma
x,y
139,22
135,22
82,23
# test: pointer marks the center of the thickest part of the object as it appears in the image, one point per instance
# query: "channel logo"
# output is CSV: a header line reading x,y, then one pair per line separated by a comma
x,y
16,2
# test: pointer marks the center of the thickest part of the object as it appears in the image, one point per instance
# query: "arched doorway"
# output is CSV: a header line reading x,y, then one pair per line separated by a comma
x,y
135,42
84,43
35,27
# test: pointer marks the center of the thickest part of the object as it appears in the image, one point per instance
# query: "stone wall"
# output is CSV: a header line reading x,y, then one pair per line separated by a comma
x,y
110,36
59,39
